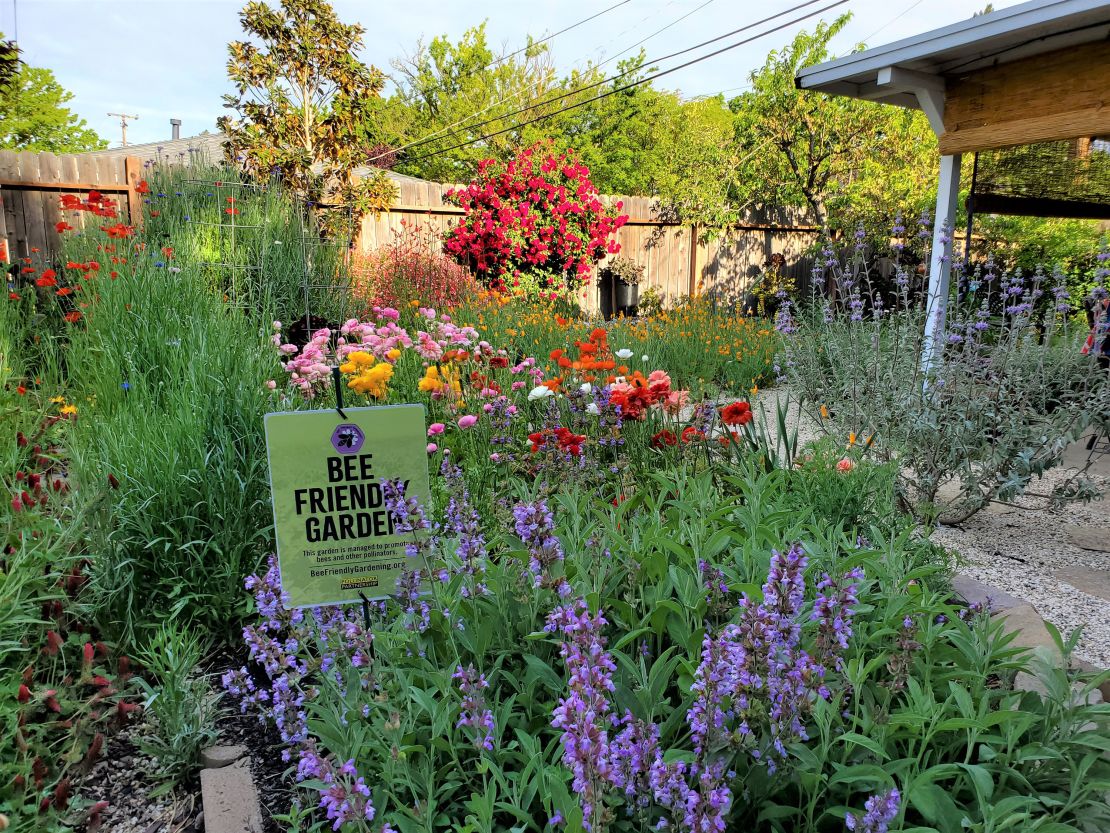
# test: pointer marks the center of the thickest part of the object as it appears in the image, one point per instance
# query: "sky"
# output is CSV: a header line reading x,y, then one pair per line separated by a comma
x,y
163,59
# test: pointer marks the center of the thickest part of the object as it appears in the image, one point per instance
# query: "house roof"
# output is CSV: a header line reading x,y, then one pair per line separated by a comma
x,y
1010,34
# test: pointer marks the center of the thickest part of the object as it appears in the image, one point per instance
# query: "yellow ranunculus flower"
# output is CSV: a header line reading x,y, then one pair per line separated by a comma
x,y
68,409
373,381
357,361
393,354
431,382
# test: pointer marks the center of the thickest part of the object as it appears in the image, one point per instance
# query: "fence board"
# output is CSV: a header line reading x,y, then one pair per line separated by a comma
x,y
9,170
30,170
50,173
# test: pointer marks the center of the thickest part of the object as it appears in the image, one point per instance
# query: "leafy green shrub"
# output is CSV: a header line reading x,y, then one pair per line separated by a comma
x,y
1005,397
181,702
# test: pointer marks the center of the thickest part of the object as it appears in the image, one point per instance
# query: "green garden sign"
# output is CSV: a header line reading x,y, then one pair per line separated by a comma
x,y
336,541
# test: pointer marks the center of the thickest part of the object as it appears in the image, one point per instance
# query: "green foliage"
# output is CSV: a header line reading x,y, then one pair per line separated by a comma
x,y
1008,392
33,111
922,701
445,90
181,701
9,60
171,362
303,103
845,160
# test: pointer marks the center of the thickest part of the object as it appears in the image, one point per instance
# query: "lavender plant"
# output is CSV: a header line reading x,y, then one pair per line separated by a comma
x,y
1010,388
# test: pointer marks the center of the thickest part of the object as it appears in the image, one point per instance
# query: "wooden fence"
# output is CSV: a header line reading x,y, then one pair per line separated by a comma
x,y
679,260
31,185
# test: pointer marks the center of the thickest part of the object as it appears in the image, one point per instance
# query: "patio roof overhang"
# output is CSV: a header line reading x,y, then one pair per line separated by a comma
x,y
1037,71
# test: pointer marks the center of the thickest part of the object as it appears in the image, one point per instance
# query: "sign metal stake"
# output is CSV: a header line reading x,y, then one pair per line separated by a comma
x,y
337,383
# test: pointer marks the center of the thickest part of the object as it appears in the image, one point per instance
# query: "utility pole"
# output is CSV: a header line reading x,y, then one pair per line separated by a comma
x,y
123,117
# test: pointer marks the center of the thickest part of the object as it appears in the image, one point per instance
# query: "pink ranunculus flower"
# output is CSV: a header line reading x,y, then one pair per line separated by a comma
x,y
845,465
432,448
271,384
467,421
436,428
676,400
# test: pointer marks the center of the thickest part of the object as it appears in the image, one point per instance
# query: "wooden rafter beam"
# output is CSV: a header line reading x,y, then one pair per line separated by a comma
x,y
1051,97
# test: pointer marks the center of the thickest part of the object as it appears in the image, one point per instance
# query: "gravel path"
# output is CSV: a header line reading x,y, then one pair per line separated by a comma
x,y
1031,553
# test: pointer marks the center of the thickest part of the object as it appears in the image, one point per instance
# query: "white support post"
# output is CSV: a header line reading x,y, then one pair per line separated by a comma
x,y
940,266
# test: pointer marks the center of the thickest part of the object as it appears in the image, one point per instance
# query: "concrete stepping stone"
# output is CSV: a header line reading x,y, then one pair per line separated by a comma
x,y
1093,538
974,591
1090,580
230,800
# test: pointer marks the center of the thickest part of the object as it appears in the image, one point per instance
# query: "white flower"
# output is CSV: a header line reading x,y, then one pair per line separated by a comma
x,y
539,392
619,380
592,409
645,359
587,388
623,353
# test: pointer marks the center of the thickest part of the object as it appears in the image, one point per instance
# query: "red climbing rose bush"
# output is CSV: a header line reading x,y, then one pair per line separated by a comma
x,y
533,224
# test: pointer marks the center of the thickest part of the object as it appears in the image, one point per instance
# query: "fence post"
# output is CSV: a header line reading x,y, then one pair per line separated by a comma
x,y
692,283
133,174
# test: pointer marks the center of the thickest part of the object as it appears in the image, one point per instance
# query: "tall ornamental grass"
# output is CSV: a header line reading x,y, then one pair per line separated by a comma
x,y
169,365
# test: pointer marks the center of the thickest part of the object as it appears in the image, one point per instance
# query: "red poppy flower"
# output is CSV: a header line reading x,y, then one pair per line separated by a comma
x,y
13,296
62,227
73,317
65,290
47,280
737,413
142,187
22,391
690,434
663,439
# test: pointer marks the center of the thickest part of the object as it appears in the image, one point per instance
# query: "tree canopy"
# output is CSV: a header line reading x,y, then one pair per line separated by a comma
x,y
845,160
33,109
305,103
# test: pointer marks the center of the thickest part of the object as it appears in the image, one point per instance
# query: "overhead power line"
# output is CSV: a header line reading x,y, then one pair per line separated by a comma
x,y
490,65
544,40
656,32
618,76
629,86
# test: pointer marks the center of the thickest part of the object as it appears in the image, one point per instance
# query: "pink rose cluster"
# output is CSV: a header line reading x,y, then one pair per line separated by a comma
x,y
538,215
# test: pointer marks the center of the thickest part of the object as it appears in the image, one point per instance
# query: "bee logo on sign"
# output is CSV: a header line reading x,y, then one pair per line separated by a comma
x,y
335,536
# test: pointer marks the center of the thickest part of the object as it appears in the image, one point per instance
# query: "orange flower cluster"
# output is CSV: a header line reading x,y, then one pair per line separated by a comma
x,y
562,438
637,393
593,356
118,231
